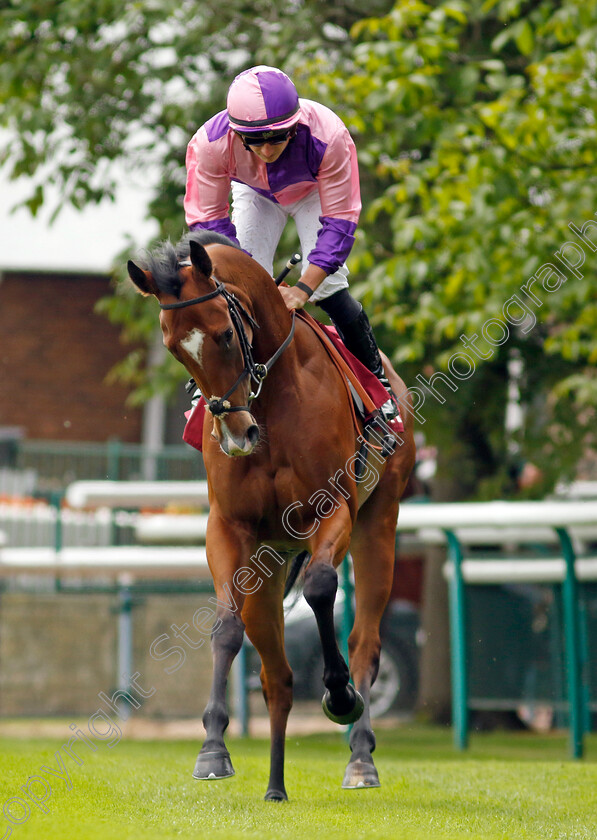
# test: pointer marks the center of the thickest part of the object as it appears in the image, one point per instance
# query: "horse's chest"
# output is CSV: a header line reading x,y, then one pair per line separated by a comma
x,y
281,501
248,497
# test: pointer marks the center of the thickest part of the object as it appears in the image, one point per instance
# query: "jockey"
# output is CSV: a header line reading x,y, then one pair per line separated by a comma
x,y
284,156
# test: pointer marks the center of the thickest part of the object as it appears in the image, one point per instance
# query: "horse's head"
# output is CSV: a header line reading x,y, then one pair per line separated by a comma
x,y
210,332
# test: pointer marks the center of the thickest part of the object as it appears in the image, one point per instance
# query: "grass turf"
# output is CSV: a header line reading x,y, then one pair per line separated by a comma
x,y
506,786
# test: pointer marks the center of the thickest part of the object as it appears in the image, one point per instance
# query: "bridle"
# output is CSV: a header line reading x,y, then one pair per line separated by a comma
x,y
257,371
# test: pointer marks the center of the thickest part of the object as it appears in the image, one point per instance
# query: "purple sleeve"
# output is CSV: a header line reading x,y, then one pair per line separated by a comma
x,y
334,243
223,226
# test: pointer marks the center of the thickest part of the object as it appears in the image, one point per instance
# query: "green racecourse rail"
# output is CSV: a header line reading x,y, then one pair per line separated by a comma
x,y
456,523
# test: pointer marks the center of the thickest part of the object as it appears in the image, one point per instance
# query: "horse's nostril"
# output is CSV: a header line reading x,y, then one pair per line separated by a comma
x,y
253,434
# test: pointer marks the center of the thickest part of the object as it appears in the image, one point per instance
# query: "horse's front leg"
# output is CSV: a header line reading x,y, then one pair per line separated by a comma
x,y
264,618
341,702
226,552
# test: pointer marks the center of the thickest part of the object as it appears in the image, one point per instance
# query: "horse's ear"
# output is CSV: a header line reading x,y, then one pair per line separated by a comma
x,y
200,258
141,279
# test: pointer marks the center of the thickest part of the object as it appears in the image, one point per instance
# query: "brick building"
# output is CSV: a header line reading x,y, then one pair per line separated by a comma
x,y
55,353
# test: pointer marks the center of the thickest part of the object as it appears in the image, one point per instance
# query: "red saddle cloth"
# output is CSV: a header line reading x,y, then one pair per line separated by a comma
x,y
193,432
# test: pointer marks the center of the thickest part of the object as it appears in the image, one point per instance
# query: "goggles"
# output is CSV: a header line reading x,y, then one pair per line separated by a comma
x,y
274,138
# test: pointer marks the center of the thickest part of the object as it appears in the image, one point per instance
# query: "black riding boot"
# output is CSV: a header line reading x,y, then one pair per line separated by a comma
x,y
357,334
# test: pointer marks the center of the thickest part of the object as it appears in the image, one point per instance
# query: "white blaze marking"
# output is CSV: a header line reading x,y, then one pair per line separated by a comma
x,y
193,344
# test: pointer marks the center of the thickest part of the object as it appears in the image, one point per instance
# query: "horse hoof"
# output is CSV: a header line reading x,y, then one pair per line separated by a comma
x,y
213,765
360,774
349,716
276,796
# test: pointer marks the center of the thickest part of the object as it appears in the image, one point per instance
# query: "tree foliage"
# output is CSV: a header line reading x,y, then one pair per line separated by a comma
x,y
87,88
85,85
477,121
475,126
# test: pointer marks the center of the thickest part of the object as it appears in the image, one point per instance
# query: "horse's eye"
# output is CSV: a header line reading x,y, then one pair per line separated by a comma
x,y
227,336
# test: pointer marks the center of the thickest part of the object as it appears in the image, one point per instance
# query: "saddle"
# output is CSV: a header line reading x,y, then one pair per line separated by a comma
x,y
365,391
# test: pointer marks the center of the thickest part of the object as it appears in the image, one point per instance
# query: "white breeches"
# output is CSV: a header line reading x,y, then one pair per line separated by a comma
x,y
259,224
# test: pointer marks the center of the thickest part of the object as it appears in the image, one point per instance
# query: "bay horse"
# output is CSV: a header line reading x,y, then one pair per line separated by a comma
x,y
274,455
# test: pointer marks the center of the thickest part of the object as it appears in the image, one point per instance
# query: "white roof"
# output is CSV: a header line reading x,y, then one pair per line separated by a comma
x,y
77,241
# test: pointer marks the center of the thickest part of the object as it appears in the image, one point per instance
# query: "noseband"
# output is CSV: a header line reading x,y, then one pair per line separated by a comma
x,y
219,406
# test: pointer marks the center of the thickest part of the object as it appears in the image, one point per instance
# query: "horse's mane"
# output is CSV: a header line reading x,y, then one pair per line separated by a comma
x,y
203,237
164,262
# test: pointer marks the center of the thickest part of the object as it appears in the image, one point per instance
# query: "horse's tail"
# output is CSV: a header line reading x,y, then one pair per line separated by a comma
x,y
295,566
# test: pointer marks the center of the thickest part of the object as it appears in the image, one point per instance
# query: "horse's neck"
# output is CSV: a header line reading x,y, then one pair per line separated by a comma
x,y
274,319
259,291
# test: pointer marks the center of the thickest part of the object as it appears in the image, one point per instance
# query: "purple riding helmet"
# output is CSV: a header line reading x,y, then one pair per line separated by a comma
x,y
263,103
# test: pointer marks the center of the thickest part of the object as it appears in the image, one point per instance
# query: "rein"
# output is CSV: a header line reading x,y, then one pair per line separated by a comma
x,y
220,406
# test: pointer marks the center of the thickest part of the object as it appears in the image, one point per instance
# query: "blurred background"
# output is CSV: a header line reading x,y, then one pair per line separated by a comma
x,y
477,141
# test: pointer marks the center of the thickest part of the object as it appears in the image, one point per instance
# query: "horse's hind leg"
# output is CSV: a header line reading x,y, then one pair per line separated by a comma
x,y
372,550
264,619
